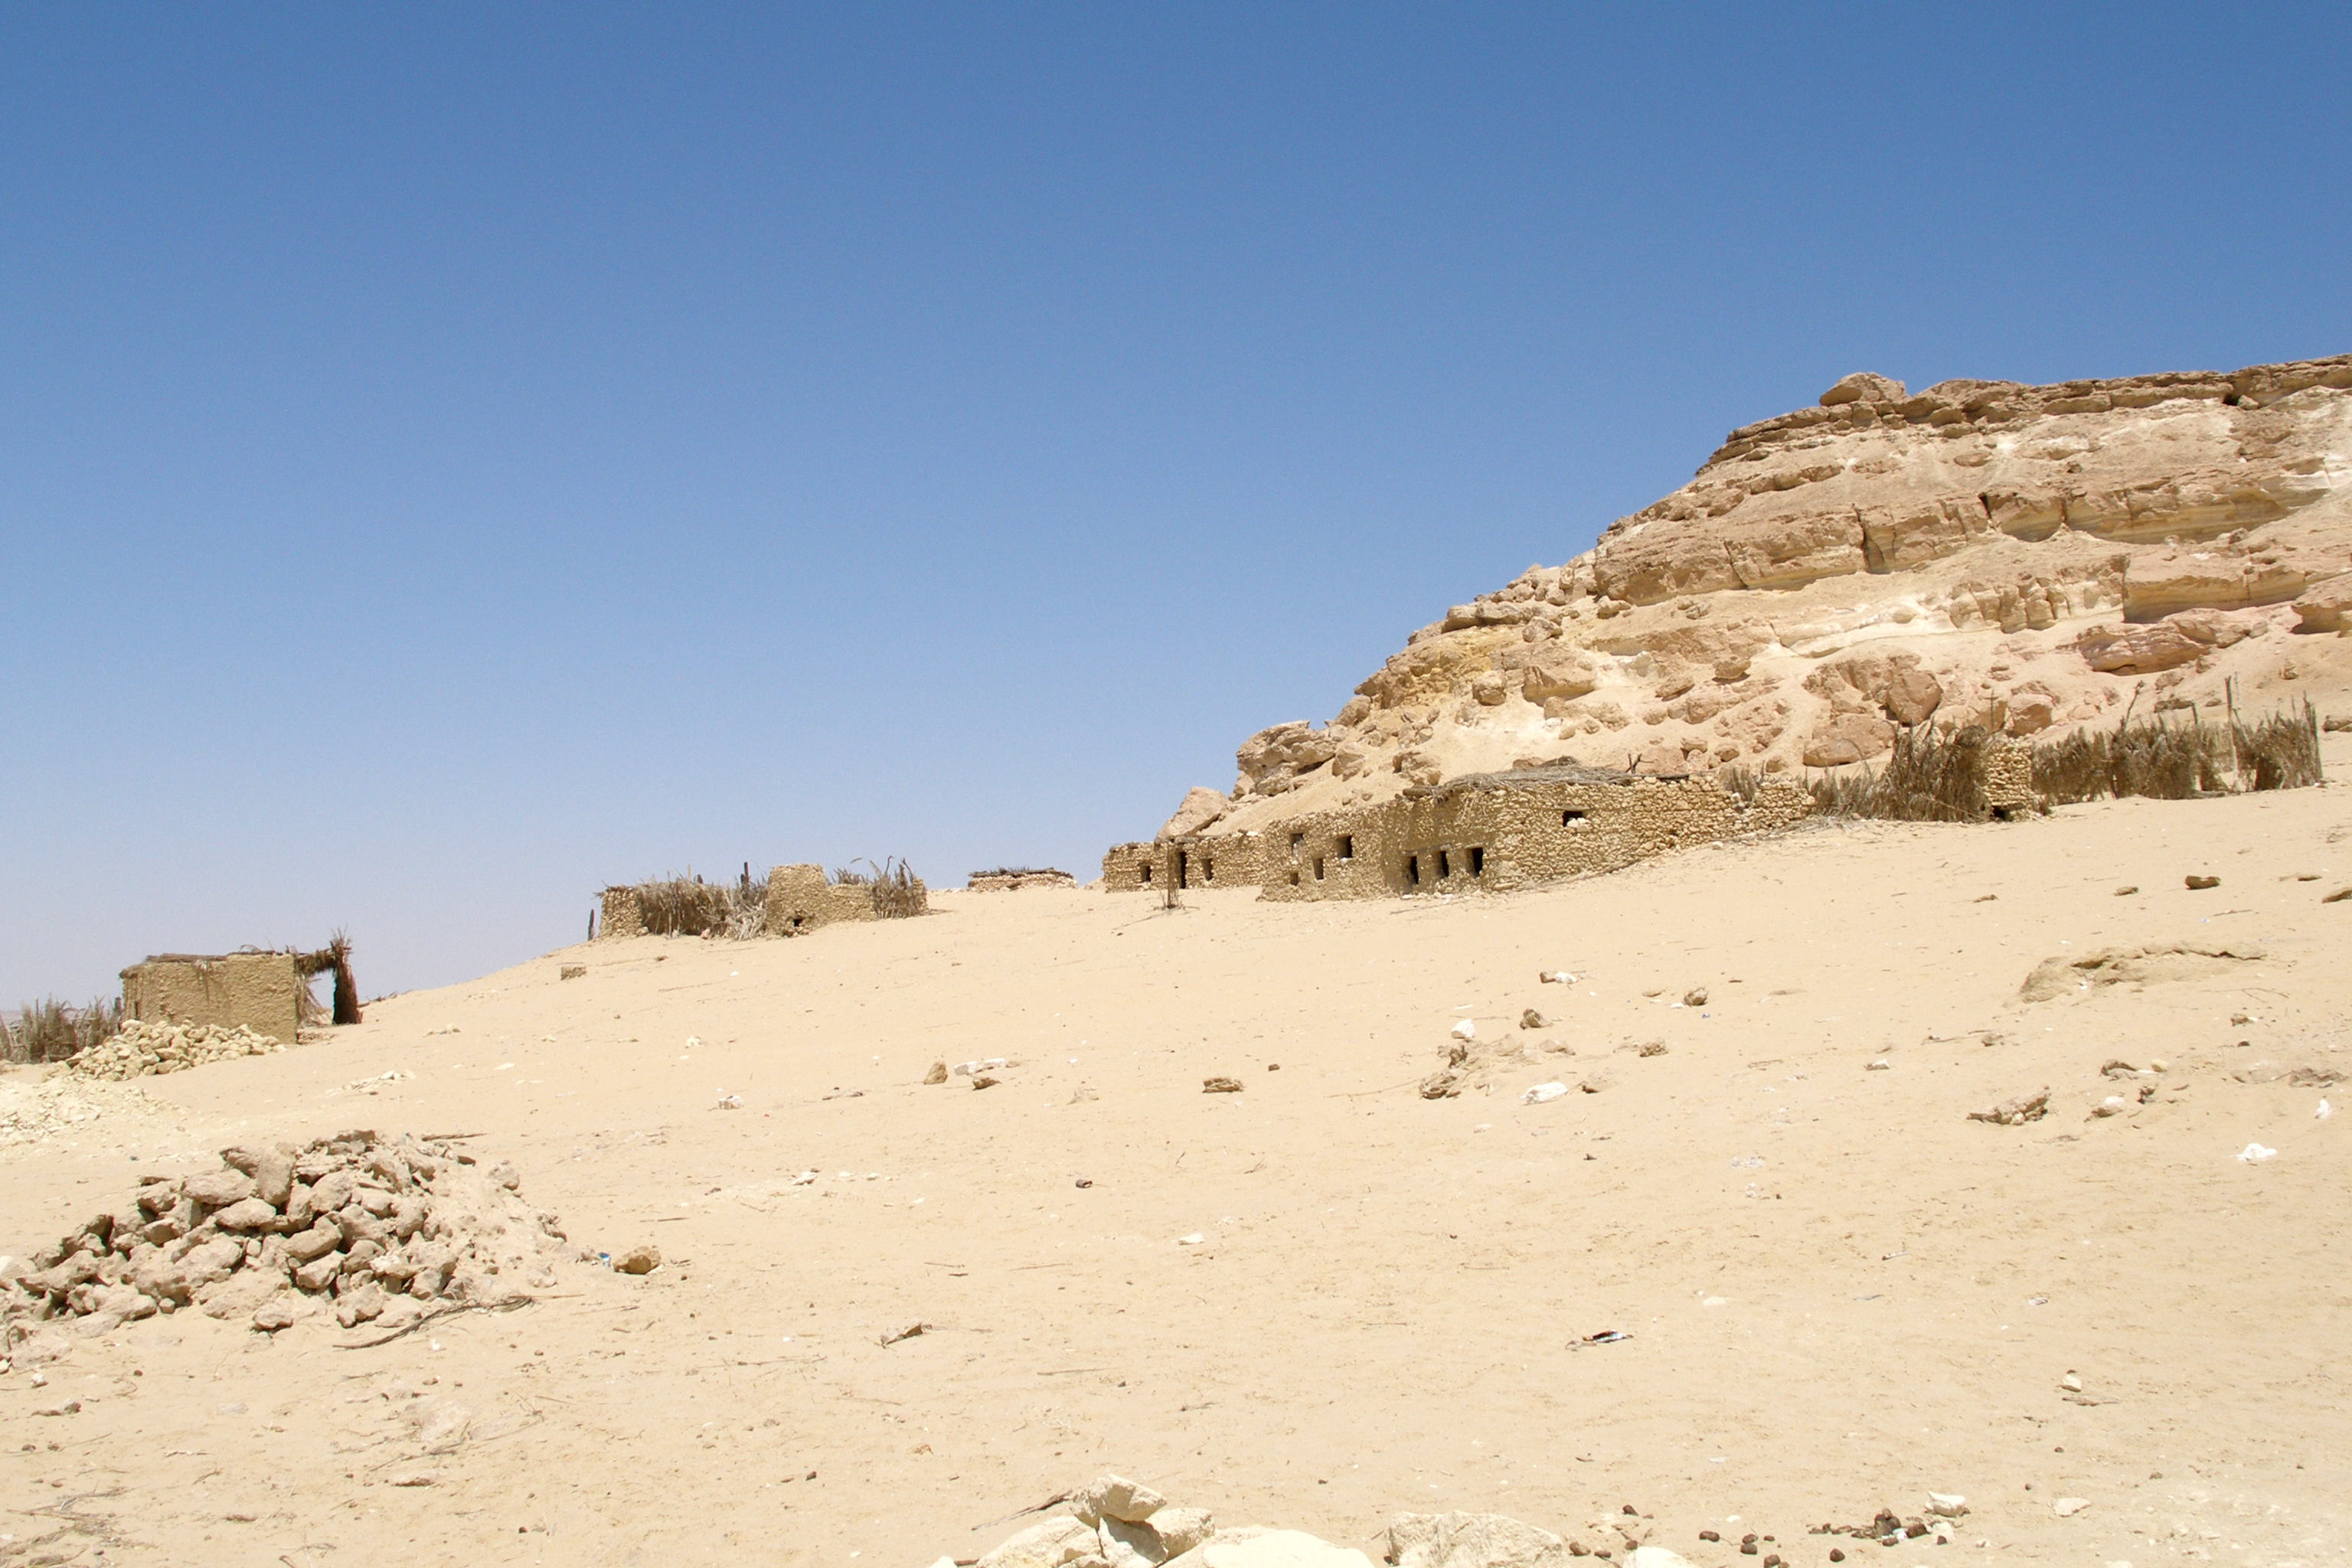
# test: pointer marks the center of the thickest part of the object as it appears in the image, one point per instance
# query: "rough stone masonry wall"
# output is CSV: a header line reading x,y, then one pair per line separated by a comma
x,y
1192,861
801,899
1498,832
2009,779
620,915
257,990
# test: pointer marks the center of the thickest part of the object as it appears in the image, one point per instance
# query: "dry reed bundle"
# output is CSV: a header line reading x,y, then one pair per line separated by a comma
x,y
51,1031
2154,757
898,892
686,905
1926,778
336,957
2281,752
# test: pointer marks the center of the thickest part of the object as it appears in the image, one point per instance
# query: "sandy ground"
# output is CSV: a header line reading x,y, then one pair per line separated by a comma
x,y
1840,1292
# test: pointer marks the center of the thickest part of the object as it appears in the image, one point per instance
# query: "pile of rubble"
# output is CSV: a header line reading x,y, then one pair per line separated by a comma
x,y
143,1049
376,1227
1116,1523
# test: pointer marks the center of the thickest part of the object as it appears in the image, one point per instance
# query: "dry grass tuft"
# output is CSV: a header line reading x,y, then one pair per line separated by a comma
x,y
1927,777
2281,752
686,905
898,892
2155,758
50,1031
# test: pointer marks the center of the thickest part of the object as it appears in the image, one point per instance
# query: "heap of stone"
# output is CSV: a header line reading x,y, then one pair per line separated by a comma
x,y
1116,1523
143,1049
2022,558
376,1227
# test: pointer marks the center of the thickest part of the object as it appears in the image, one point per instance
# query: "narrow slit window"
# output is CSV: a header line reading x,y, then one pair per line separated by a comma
x,y
1412,869
1297,839
1208,869
1445,866
1347,846
1318,868
1294,878
1478,862
1147,874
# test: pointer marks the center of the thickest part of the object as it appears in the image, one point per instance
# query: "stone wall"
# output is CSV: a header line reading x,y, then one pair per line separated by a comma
x,y
801,899
1485,833
1193,860
2008,779
1014,881
257,990
621,916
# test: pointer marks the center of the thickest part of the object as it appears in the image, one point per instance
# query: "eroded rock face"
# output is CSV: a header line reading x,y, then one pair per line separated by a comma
x,y
2025,559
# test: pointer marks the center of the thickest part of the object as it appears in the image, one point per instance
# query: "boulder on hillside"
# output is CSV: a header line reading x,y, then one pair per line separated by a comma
x,y
2138,651
1201,806
1862,386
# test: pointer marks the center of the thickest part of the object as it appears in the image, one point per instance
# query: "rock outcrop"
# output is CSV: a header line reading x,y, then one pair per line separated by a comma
x,y
1983,552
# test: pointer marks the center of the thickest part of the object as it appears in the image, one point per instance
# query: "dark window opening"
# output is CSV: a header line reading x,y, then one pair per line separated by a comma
x,y
1296,840
1183,866
1347,846
1318,868
1412,869
1477,862
1570,818
1208,869
1445,866
1294,878
1147,874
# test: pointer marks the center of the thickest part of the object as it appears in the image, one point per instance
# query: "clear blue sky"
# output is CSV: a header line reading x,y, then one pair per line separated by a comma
x,y
453,457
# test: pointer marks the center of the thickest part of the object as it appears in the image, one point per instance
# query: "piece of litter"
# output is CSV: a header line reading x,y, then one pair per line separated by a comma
x,y
2324,1112
2068,1506
1542,1093
2252,1152
1951,1505
1607,1337
971,1070
1713,1302
1466,1030
692,1041
1747,1162
1191,1240
730,1102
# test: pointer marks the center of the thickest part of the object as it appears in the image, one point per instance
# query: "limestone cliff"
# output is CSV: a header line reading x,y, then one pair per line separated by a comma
x,y
2026,558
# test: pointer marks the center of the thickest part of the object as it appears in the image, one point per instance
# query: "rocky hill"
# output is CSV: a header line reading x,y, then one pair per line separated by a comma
x,y
2026,558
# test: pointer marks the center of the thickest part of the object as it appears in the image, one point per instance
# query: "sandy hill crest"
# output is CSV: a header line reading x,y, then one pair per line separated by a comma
x,y
2026,558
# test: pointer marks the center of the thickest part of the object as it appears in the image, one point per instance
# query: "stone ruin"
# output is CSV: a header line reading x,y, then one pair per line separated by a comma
x,y
1483,833
1011,880
144,1050
800,899
373,1228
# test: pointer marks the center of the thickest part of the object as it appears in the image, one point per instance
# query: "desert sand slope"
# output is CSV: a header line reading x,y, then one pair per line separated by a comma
x,y
1839,1291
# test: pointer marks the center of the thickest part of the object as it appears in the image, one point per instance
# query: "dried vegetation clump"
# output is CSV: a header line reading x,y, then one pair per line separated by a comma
x,y
686,905
51,1031
1930,777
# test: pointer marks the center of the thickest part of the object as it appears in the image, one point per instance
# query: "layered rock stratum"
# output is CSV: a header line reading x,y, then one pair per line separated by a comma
x,y
2029,559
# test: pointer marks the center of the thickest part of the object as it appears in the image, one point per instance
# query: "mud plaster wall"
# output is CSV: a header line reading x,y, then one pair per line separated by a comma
x,y
257,990
1014,884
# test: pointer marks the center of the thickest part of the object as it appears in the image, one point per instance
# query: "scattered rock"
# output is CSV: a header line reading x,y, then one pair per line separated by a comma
x,y
2338,897
2016,1111
2068,1506
1695,998
1470,1541
1115,1497
1466,1029
640,1260
1531,1019
984,1080
361,1218
939,1073
2198,884
2125,892
1221,1084
2054,977
570,972
143,1049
